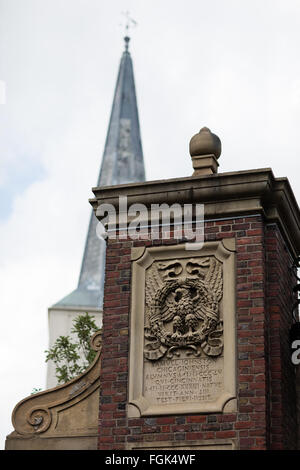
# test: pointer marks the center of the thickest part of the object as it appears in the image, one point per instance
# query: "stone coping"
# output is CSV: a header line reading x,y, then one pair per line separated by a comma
x,y
223,195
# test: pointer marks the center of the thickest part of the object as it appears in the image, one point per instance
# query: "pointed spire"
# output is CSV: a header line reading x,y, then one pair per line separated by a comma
x,y
123,155
122,162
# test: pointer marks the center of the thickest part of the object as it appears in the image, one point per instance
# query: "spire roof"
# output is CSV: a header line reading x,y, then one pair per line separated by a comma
x,y
122,162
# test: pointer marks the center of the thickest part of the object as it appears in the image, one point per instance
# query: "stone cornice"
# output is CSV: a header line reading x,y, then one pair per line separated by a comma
x,y
223,194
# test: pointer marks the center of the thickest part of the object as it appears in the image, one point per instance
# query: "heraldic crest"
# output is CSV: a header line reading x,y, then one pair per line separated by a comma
x,y
182,308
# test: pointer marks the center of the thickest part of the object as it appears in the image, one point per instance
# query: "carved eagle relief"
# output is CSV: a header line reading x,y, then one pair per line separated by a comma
x,y
182,308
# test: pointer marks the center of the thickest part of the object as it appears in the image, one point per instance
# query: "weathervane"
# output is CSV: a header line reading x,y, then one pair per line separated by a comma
x,y
127,24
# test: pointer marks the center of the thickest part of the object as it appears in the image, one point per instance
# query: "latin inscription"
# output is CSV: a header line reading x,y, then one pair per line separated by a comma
x,y
183,380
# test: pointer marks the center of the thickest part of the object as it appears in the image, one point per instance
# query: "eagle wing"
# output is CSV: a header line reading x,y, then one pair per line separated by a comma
x,y
153,284
215,279
170,309
207,305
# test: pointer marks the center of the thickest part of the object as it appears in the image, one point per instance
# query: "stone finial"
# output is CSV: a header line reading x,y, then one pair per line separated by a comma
x,y
205,149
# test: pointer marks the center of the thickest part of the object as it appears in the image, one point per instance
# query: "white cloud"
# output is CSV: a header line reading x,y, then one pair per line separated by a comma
x,y
232,66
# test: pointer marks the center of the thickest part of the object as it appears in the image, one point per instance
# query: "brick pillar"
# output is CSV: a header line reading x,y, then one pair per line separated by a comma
x,y
265,416
279,302
259,216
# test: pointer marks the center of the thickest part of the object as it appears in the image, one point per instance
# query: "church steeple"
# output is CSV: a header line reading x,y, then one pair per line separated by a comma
x,y
123,156
122,162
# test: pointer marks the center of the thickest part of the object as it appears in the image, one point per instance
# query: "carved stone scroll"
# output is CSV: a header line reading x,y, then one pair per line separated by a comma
x,y
182,356
64,417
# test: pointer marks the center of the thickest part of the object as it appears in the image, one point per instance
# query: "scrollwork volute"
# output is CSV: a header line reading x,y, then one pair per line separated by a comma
x,y
39,413
40,419
96,341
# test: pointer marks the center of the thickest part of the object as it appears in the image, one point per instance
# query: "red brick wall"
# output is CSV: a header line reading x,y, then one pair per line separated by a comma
x,y
279,300
256,316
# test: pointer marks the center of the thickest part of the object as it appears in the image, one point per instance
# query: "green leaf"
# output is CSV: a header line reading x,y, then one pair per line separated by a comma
x,y
72,356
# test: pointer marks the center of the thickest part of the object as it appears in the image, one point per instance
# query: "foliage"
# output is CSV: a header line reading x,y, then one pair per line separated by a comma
x,y
72,355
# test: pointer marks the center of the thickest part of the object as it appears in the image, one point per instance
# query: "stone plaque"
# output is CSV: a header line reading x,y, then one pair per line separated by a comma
x,y
182,335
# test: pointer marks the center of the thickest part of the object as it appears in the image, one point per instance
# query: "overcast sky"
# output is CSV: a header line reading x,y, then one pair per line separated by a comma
x,y
230,65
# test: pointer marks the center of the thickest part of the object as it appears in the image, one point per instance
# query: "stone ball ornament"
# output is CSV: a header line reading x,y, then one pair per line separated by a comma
x,y
205,143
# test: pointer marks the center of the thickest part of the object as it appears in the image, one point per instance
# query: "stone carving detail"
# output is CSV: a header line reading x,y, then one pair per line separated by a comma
x,y
183,330
40,419
182,308
38,413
